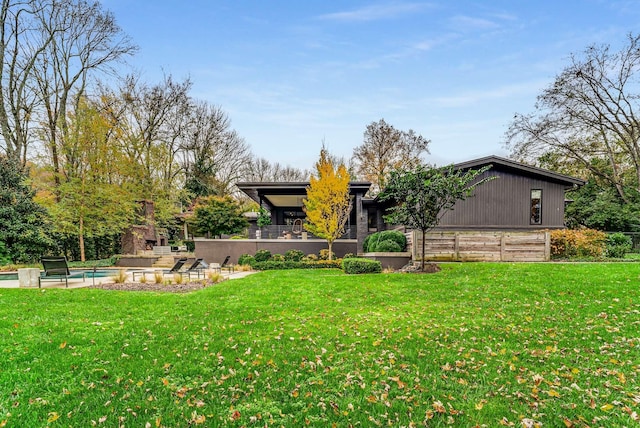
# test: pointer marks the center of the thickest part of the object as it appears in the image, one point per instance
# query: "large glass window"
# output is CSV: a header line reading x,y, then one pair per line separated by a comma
x,y
536,206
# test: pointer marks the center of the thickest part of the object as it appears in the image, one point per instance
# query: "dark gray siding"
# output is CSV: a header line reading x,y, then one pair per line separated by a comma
x,y
504,203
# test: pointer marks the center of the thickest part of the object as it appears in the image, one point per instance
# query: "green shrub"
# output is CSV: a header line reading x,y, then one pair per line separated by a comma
x,y
293,255
111,261
618,244
372,242
310,257
262,255
246,259
277,258
4,254
365,243
361,265
349,256
324,255
191,246
388,246
290,264
396,236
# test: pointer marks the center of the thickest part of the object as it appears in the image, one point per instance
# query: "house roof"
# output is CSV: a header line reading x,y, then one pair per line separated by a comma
x,y
288,194
521,168
291,194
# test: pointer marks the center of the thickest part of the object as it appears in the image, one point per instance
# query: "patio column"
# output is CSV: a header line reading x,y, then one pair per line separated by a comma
x,y
362,228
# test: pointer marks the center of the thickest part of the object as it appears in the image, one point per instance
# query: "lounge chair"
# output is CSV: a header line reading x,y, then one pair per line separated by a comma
x,y
175,269
56,267
199,265
226,265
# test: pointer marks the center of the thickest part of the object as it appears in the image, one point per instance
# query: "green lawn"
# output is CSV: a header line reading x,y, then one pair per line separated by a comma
x,y
476,344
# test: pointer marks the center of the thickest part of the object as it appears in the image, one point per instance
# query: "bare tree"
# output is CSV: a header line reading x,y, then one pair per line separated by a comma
x,y
589,115
85,39
214,155
261,170
385,149
152,120
22,44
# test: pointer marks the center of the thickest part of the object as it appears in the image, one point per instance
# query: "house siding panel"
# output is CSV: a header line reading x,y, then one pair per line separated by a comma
x,y
504,203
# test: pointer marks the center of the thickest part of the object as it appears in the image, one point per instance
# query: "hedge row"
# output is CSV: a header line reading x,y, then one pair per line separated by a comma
x,y
290,264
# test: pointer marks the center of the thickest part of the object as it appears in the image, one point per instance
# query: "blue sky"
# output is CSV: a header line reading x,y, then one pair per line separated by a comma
x,y
291,74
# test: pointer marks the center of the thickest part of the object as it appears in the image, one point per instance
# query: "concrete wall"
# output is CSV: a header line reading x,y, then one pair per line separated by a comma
x,y
216,250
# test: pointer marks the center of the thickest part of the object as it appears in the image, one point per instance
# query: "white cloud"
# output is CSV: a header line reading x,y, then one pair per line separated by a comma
x,y
375,12
468,98
467,23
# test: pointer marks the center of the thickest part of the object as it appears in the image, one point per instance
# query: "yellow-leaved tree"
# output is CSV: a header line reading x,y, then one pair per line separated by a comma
x,y
328,203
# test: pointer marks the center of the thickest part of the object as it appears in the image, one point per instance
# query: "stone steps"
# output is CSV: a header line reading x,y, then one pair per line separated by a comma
x,y
164,262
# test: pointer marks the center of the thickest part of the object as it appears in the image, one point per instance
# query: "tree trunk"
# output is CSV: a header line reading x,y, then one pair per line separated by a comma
x,y
330,252
81,239
424,239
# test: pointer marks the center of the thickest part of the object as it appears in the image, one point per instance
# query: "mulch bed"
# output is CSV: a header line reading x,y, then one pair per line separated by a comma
x,y
429,267
187,287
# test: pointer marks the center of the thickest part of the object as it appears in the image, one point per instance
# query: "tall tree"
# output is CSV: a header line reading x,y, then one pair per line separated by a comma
x,y
152,120
25,227
214,155
588,116
384,149
89,202
421,196
328,203
85,39
215,216
22,45
261,170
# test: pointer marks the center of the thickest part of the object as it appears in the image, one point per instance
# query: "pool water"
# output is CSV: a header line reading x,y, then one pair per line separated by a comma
x,y
75,273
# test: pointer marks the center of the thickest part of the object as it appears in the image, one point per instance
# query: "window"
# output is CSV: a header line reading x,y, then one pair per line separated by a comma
x,y
536,206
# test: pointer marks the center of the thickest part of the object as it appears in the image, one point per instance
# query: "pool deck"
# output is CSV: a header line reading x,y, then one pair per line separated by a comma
x,y
87,282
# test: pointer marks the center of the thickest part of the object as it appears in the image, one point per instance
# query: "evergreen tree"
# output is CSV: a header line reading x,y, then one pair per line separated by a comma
x,y
24,225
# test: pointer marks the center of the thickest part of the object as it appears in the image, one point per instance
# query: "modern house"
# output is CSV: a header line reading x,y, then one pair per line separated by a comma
x,y
520,198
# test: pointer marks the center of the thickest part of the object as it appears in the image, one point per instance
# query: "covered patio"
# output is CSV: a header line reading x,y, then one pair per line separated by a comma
x,y
284,201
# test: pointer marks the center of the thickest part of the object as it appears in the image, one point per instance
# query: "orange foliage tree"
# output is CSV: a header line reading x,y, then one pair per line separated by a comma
x,y
328,203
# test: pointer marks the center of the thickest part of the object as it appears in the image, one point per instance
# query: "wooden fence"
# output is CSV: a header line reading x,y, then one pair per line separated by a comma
x,y
483,246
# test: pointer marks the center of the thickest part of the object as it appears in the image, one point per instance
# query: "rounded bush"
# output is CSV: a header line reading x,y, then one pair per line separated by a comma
x,y
246,259
618,244
387,246
393,235
365,243
278,258
262,255
361,265
294,255
371,242
324,254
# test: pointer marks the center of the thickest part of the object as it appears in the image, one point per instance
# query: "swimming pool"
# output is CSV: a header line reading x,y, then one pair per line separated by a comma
x,y
75,273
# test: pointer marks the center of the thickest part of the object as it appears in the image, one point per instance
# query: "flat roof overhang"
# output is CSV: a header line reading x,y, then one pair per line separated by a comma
x,y
289,194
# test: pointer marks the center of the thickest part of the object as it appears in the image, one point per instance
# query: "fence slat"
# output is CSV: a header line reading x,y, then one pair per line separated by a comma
x,y
483,246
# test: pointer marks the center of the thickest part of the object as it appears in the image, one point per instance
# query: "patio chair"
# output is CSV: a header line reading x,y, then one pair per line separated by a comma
x,y
199,265
56,267
226,265
175,269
